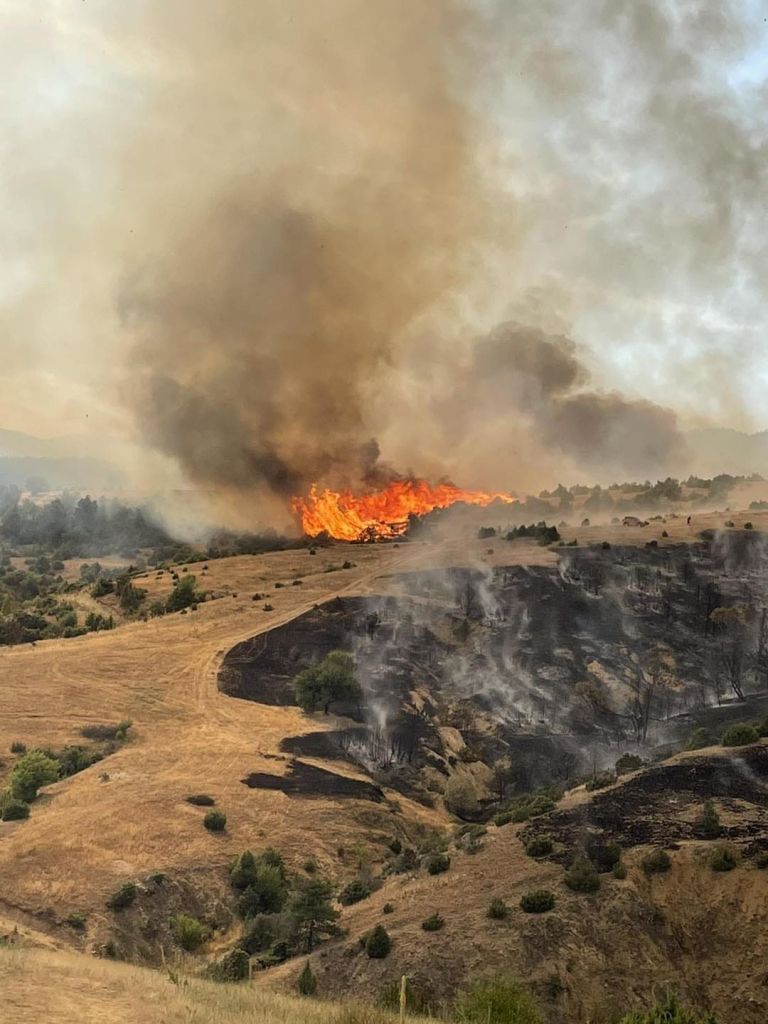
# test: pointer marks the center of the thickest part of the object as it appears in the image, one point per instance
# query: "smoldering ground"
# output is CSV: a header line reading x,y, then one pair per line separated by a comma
x,y
308,219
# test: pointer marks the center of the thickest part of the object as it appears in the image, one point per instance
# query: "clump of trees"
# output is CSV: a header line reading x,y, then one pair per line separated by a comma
x,y
333,680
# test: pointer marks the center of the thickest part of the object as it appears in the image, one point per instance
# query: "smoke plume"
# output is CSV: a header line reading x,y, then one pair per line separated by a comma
x,y
280,230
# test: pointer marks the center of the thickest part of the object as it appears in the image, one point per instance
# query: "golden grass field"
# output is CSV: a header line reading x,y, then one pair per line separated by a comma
x,y
45,987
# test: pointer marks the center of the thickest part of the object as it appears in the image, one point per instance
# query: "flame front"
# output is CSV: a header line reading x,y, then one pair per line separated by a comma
x,y
380,514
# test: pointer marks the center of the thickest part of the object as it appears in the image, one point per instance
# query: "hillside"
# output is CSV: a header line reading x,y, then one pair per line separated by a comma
x,y
289,780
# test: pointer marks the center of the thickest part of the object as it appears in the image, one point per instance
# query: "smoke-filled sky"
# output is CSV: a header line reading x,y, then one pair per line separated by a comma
x,y
508,242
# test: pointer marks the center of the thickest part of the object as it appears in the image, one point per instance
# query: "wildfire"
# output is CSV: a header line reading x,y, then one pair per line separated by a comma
x,y
380,514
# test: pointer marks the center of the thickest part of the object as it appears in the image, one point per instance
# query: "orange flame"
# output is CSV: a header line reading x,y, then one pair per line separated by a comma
x,y
380,514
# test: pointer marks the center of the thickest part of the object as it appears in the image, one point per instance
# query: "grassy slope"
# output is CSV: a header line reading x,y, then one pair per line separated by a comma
x,y
40,987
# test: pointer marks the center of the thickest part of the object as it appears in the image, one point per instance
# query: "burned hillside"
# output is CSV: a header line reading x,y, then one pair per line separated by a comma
x,y
558,669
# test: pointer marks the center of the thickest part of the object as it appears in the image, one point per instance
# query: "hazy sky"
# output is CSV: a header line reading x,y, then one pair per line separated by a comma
x,y
625,140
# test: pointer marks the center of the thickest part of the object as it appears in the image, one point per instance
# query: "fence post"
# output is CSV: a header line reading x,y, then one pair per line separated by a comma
x,y
403,991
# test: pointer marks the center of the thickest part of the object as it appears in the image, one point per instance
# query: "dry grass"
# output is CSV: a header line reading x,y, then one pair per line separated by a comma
x,y
41,987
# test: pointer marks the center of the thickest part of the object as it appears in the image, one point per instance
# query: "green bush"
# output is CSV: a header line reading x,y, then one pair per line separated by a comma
x,y
233,966
503,818
189,932
434,923
669,1011
620,871
13,810
724,858
656,862
378,943
17,747
307,982
699,739
605,856
76,922
123,897
388,908
354,893
498,910
582,876
215,821
437,863
540,846
707,825
740,735
761,859
537,901
499,1000
31,771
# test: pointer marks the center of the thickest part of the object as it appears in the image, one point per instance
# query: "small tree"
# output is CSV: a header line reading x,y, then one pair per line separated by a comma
x,y
740,735
656,862
311,910
498,910
434,923
707,825
332,680
378,943
307,982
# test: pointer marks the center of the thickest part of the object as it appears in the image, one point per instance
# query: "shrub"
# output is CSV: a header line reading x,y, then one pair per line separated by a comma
x,y
669,1011
395,846
628,763
388,908
307,982
700,738
500,1000
656,862
14,810
378,943
498,910
123,897
201,800
605,856
233,966
540,846
724,858
707,825
582,876
31,771
354,893
761,859
189,932
503,818
461,796
537,901
620,871
740,735
215,821
600,781
434,923
76,922
310,866
437,863
17,747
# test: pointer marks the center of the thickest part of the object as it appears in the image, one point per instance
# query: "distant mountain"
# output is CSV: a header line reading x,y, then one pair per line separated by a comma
x,y
721,450
54,464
